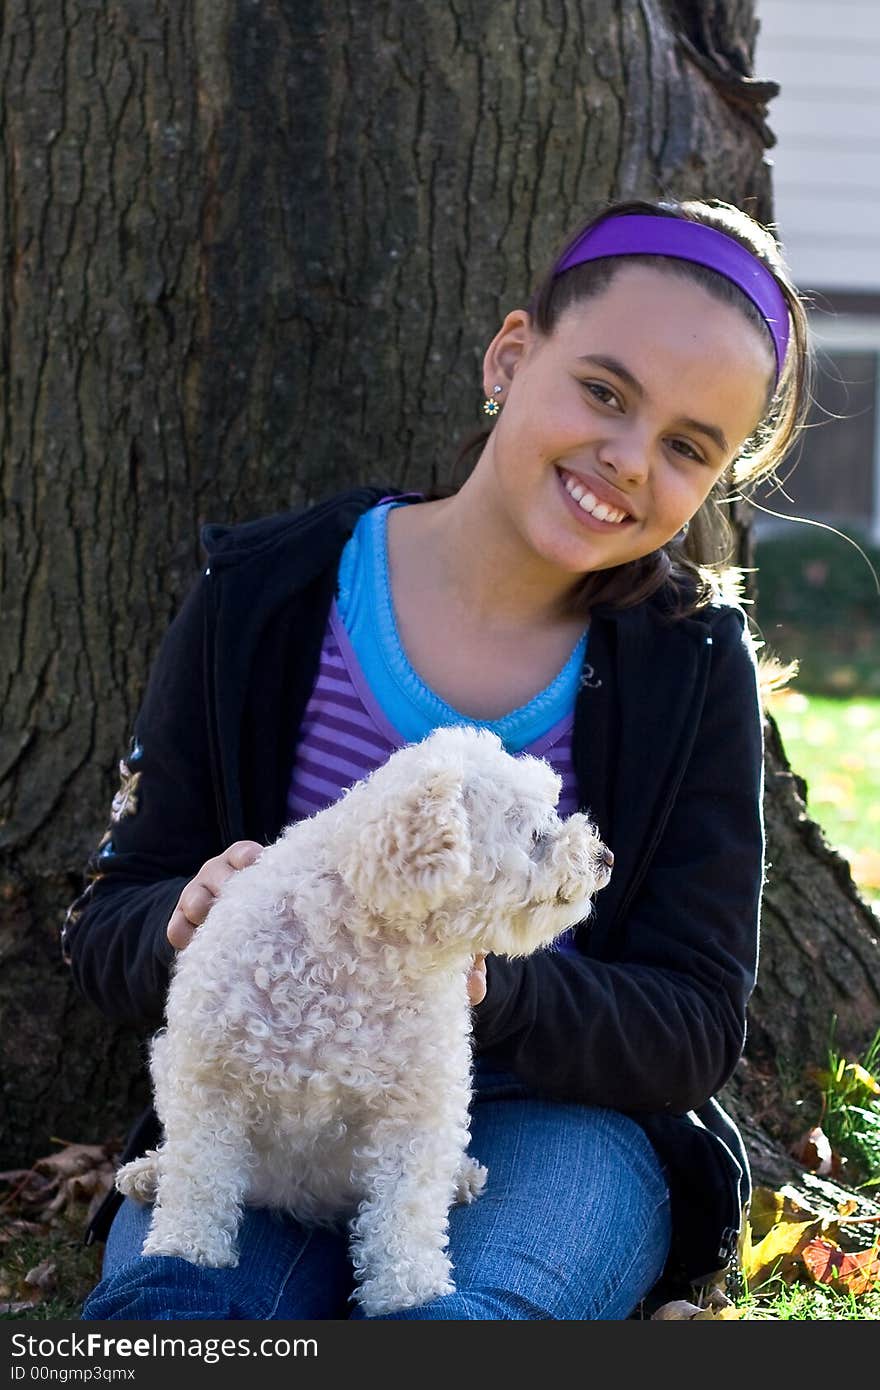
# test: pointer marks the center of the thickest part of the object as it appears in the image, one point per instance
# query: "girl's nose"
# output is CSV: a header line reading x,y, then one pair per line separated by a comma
x,y
627,457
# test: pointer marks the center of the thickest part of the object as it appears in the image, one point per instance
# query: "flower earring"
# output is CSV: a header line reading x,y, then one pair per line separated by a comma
x,y
490,406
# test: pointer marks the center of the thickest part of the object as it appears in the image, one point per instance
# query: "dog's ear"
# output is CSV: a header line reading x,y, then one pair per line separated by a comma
x,y
406,858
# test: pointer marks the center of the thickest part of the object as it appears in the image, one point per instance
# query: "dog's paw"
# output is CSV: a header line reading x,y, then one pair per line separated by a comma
x,y
140,1178
378,1297
213,1254
470,1180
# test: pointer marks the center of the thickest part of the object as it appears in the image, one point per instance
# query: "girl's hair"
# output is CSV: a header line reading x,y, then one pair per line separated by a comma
x,y
697,569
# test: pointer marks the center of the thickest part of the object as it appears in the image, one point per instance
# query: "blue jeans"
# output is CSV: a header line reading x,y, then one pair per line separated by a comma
x,y
573,1224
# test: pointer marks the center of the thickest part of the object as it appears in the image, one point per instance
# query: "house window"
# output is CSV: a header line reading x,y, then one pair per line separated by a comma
x,y
833,475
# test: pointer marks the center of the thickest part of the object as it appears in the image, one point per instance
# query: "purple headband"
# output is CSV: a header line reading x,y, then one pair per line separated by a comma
x,y
635,234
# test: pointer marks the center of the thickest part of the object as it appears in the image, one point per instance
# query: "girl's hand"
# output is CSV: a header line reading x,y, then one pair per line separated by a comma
x,y
197,898
476,980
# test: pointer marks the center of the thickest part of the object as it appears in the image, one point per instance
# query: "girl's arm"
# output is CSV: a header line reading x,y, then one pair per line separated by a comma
x,y
662,1024
163,827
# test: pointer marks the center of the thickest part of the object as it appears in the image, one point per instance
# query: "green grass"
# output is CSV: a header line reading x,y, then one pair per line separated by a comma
x,y
775,1300
851,1110
77,1269
834,744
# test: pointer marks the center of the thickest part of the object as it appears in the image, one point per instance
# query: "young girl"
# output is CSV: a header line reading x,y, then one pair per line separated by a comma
x,y
557,597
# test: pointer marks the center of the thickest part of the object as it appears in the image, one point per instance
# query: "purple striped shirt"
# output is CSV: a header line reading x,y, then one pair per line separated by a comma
x,y
345,734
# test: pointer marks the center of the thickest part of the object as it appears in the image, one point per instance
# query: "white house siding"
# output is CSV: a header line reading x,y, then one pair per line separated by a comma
x,y
826,56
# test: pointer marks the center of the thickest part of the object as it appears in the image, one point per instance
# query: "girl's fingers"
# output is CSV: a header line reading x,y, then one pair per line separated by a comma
x,y
180,931
193,906
199,895
242,853
476,981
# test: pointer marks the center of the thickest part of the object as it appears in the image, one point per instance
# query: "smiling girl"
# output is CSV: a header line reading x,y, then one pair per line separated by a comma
x,y
565,597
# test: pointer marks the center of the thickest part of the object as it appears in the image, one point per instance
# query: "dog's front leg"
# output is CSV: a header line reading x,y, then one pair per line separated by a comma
x,y
400,1235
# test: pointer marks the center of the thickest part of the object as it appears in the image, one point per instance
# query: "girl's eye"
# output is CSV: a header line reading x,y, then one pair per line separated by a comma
x,y
682,447
602,393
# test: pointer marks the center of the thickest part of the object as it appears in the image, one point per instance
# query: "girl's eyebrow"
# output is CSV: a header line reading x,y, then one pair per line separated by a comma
x,y
612,364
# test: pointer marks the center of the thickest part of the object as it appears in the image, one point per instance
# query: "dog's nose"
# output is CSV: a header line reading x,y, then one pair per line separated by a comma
x,y
607,857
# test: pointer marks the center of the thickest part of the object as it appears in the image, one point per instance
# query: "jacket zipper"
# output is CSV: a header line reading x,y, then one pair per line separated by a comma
x,y
211,709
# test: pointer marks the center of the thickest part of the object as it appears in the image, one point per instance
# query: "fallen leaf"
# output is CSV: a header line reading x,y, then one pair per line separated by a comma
x,y
42,1276
828,1264
768,1207
72,1160
778,1252
679,1310
79,1173
14,1230
864,1078
813,1151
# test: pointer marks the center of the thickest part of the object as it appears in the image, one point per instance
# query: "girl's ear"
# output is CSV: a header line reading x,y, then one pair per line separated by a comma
x,y
507,349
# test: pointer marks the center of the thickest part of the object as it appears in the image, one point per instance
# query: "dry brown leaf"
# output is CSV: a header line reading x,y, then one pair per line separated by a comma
x,y
43,1276
14,1175
72,1160
813,1151
14,1230
678,1310
857,1273
81,1188
80,1173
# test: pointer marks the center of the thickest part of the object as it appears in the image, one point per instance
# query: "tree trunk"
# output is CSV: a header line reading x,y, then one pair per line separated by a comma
x,y
252,251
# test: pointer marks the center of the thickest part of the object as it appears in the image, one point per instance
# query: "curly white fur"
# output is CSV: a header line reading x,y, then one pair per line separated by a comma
x,y
317,1052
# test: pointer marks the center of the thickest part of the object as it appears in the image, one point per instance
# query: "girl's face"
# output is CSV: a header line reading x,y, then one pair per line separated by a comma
x,y
634,406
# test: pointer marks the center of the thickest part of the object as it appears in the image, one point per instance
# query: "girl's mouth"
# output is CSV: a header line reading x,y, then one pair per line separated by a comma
x,y
587,507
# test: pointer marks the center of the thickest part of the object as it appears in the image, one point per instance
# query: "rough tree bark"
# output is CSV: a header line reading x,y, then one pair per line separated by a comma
x,y
251,252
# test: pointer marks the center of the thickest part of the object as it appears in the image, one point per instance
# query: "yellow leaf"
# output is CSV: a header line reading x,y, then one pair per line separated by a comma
x,y
864,1078
777,1252
768,1207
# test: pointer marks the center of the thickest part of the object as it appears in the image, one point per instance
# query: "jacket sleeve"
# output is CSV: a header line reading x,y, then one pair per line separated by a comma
x,y
163,827
661,1025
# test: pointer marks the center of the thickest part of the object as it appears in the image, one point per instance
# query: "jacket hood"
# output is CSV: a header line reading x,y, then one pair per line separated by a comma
x,y
229,545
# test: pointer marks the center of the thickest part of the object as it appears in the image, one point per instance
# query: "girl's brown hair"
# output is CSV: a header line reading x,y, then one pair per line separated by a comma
x,y
696,568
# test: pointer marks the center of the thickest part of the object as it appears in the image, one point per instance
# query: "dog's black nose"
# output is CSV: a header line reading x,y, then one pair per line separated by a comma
x,y
607,857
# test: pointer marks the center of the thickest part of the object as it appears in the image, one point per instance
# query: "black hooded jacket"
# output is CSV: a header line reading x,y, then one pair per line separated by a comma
x,y
668,752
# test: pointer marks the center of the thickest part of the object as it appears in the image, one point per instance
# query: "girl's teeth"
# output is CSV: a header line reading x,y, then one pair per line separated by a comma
x,y
590,503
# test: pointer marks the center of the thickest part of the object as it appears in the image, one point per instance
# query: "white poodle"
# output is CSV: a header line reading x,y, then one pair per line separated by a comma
x,y
317,1051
